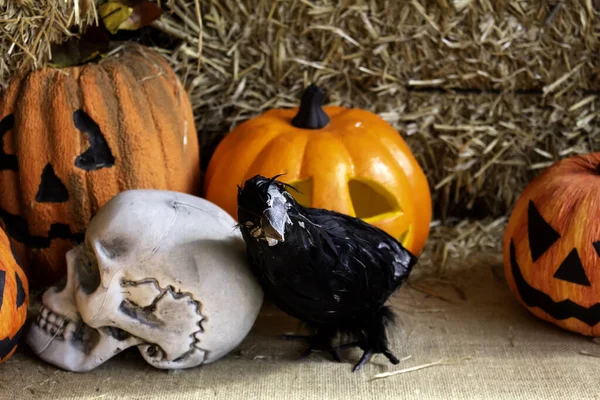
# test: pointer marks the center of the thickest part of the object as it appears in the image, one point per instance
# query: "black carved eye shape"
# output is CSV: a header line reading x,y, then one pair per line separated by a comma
x,y
597,247
98,155
541,235
20,296
7,161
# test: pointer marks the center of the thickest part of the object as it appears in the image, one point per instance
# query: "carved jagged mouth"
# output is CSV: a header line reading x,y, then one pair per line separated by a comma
x,y
16,227
558,310
58,326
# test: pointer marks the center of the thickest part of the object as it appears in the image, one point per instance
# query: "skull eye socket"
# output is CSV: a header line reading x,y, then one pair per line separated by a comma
x,y
88,274
541,235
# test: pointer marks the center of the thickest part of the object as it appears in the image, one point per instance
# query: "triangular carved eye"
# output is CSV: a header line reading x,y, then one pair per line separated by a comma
x,y
2,283
597,247
7,161
571,270
20,292
371,199
541,234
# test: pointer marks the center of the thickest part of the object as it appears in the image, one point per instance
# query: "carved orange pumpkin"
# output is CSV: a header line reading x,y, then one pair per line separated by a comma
x,y
14,296
72,138
552,245
346,160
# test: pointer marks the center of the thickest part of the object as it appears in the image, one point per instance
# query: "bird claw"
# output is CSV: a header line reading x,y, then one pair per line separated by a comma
x,y
368,354
318,344
391,357
366,357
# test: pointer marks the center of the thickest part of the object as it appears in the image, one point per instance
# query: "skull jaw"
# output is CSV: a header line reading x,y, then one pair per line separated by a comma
x,y
76,355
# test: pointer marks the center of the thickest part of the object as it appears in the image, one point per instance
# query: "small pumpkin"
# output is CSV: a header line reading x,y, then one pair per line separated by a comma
x,y
14,297
346,160
552,245
74,137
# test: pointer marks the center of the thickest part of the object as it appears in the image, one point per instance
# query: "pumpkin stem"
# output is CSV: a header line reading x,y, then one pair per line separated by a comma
x,y
311,115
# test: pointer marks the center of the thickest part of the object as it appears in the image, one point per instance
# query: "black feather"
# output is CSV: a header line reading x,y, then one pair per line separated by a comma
x,y
332,271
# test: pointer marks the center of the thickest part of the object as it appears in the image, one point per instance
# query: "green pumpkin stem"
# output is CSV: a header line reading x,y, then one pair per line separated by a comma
x,y
311,115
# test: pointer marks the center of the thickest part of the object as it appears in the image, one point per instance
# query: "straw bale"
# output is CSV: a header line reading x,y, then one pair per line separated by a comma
x,y
29,27
480,150
486,92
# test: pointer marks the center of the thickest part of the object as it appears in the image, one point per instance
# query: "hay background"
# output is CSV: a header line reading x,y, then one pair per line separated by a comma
x,y
519,78
485,92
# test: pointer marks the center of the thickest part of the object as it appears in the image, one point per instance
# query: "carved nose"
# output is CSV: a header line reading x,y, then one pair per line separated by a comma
x,y
51,189
571,270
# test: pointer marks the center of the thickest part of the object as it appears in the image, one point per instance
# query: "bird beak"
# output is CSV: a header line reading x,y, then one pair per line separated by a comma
x,y
273,223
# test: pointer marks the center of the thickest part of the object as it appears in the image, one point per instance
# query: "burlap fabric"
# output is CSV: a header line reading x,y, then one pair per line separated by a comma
x,y
468,313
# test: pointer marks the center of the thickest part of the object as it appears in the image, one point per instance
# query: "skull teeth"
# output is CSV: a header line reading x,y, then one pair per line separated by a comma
x,y
55,324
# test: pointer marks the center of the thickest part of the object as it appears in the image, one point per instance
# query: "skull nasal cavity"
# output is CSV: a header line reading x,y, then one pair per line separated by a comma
x,y
98,155
370,199
51,189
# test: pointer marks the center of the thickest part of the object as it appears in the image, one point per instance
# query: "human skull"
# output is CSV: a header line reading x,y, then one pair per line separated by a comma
x,y
160,270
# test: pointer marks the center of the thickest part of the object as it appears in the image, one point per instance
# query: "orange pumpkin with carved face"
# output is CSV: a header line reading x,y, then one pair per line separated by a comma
x,y
72,138
552,245
346,160
14,296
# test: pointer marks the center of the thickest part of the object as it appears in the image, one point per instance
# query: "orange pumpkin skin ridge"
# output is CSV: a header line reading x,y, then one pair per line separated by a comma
x,y
356,144
144,115
12,318
567,196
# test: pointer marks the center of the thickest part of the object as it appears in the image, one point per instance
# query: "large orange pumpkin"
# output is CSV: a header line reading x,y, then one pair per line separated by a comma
x,y
552,245
346,160
72,138
14,296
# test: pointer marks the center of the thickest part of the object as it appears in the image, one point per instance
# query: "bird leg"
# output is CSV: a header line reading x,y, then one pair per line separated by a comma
x,y
391,357
368,353
319,342
366,357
